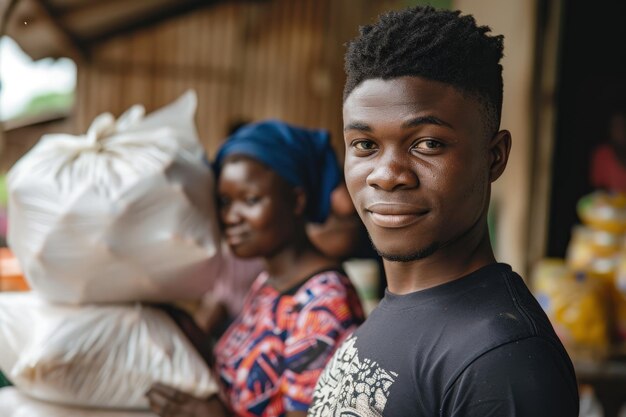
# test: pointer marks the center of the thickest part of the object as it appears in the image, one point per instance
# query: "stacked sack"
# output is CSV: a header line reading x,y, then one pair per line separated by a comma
x,y
100,222
585,294
15,404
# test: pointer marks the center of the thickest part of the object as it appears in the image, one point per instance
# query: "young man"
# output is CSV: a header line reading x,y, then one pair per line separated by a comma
x,y
457,333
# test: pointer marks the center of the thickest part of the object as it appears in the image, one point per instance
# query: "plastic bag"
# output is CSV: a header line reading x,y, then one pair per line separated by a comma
x,y
15,404
123,213
95,355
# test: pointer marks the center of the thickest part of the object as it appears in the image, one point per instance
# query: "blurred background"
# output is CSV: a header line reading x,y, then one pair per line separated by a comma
x,y
63,62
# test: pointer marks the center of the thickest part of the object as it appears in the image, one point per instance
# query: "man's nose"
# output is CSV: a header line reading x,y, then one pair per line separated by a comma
x,y
393,171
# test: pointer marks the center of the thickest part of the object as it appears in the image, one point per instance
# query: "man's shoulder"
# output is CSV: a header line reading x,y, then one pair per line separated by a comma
x,y
499,315
419,346
488,307
500,309
464,320
532,376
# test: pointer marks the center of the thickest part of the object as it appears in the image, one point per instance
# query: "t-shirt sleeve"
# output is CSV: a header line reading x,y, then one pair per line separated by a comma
x,y
527,378
319,328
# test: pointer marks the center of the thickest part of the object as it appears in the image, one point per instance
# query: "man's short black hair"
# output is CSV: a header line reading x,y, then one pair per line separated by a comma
x,y
440,45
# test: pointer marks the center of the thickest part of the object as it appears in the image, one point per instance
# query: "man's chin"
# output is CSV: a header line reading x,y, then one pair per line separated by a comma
x,y
398,256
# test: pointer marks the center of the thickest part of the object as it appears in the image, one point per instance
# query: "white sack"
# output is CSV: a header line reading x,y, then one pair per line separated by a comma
x,y
15,404
123,213
95,355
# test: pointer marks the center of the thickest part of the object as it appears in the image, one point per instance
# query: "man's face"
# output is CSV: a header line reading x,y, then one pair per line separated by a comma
x,y
417,164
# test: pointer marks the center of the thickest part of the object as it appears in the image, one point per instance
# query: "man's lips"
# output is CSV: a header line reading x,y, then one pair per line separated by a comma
x,y
394,215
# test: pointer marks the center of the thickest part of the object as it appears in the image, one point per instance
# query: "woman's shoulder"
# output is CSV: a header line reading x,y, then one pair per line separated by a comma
x,y
329,282
329,276
331,291
259,282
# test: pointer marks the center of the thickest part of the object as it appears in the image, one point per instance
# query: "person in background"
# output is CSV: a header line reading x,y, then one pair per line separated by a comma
x,y
342,234
608,163
457,333
340,237
344,237
218,307
273,179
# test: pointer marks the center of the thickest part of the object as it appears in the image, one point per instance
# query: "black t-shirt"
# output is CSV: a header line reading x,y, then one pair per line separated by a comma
x,y
478,346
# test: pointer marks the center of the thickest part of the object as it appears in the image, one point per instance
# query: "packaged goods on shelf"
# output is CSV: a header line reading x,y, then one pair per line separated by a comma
x,y
575,305
603,211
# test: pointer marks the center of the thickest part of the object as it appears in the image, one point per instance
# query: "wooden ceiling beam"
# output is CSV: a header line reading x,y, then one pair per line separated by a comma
x,y
48,11
105,20
65,6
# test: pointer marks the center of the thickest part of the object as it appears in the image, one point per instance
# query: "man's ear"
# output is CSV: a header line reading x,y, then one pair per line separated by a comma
x,y
499,149
300,201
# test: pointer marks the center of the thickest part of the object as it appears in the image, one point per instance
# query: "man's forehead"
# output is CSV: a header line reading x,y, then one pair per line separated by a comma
x,y
399,102
406,91
402,98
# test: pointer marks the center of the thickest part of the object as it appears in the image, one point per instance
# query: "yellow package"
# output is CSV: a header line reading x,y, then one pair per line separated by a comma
x,y
580,251
591,250
603,269
603,211
619,297
620,273
576,305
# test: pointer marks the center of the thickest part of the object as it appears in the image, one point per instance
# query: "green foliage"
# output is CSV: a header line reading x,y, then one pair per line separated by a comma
x,y
48,102
3,381
492,222
4,194
438,4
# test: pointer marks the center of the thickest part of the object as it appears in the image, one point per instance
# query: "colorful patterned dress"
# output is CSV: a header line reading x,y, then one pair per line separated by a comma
x,y
270,358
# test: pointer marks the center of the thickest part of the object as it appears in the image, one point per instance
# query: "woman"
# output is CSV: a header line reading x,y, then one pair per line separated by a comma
x,y
273,178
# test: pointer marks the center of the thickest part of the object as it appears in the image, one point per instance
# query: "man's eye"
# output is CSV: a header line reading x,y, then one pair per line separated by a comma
x,y
364,145
429,145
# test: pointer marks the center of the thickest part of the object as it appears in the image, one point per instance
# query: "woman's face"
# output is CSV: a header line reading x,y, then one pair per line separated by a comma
x,y
257,208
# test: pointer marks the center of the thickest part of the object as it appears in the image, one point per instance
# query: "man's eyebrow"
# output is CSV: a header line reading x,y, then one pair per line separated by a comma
x,y
363,127
422,120
425,120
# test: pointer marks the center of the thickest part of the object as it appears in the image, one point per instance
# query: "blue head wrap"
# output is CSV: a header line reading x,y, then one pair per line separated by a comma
x,y
302,157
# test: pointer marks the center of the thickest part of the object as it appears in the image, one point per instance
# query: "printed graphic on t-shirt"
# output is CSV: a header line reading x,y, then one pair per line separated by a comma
x,y
351,386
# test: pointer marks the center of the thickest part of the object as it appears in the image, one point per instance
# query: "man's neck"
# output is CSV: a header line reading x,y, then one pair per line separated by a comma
x,y
449,263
